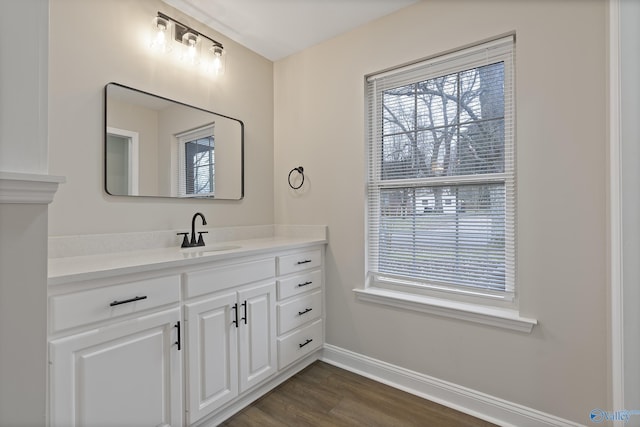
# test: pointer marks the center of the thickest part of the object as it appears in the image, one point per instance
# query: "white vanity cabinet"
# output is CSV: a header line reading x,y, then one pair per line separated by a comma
x,y
120,364
300,305
231,334
184,342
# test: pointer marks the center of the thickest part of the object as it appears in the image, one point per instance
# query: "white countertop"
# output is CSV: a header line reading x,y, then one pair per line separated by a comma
x,y
88,267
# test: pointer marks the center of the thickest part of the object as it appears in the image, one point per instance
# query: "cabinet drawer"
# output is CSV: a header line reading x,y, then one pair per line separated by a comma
x,y
299,311
215,279
298,284
299,344
94,305
300,261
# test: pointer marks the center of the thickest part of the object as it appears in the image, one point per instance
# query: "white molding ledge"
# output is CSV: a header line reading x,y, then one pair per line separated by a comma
x,y
28,188
492,316
480,405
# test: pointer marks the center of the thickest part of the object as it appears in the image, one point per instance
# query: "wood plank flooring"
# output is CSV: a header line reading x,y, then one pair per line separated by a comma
x,y
324,395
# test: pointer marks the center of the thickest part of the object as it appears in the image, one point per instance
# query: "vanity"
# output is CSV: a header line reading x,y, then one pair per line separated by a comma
x,y
181,337
143,332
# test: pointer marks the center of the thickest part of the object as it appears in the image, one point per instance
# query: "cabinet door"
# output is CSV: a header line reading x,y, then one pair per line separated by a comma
x,y
212,354
126,374
257,334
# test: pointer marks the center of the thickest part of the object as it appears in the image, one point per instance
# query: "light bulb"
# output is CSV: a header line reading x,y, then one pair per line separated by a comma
x,y
218,61
160,39
190,49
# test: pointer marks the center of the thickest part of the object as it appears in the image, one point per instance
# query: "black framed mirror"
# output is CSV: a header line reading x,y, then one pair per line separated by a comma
x,y
158,147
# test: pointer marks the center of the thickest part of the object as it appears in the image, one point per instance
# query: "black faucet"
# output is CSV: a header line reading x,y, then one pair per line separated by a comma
x,y
186,243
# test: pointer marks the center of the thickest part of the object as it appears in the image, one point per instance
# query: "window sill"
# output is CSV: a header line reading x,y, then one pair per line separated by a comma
x,y
492,316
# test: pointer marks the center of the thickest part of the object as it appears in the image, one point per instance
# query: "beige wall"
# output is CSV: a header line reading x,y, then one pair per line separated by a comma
x,y
93,42
560,368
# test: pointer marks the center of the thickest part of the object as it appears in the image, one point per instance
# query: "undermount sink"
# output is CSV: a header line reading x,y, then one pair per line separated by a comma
x,y
219,248
209,248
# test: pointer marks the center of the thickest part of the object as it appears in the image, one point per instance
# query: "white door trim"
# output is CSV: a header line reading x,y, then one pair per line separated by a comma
x,y
615,212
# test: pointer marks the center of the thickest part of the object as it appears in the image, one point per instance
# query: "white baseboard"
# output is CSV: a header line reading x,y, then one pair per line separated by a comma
x,y
472,402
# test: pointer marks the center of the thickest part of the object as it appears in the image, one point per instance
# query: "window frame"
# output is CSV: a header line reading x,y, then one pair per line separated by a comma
x,y
381,287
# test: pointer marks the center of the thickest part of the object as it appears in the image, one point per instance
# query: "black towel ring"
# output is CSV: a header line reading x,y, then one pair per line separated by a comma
x,y
300,170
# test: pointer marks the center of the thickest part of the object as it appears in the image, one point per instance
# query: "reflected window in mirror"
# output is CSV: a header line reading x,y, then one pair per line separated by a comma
x,y
197,162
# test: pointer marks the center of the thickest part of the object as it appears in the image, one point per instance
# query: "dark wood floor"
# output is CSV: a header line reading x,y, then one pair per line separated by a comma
x,y
324,395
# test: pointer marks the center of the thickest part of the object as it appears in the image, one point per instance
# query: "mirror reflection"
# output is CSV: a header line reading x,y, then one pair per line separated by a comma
x,y
158,147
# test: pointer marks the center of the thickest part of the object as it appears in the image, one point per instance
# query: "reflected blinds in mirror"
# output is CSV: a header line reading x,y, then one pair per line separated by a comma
x,y
196,172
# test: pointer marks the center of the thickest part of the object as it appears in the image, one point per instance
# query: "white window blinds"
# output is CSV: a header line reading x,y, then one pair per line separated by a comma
x,y
441,172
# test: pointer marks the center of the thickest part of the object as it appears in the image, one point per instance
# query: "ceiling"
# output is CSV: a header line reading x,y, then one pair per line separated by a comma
x,y
278,28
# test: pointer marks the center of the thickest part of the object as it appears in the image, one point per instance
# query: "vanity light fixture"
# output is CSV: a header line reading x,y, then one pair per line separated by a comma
x,y
168,31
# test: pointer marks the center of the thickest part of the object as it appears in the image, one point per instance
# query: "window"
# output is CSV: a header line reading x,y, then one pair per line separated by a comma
x,y
441,175
197,162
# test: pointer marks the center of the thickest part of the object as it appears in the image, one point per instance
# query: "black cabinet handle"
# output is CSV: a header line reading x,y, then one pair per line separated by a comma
x,y
235,312
305,343
235,309
304,284
300,313
303,262
244,304
177,325
127,301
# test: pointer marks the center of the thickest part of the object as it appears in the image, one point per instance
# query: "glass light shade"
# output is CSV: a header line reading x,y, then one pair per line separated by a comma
x,y
191,48
217,60
161,35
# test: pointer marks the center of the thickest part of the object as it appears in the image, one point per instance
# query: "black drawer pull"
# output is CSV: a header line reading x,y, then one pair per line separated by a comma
x,y
127,301
177,325
303,262
244,304
300,313
305,343
235,314
304,284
